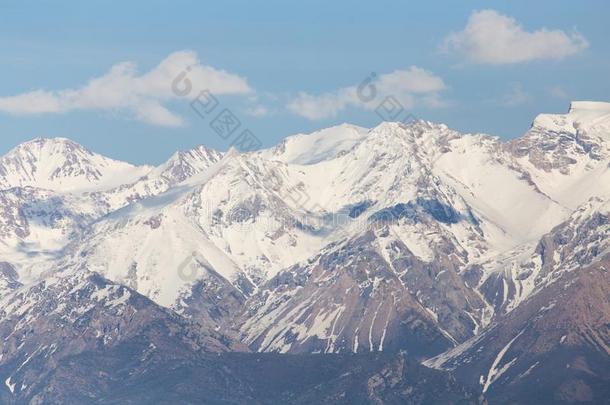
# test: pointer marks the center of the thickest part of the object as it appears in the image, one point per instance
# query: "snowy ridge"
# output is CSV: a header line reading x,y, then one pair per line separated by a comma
x,y
321,145
583,115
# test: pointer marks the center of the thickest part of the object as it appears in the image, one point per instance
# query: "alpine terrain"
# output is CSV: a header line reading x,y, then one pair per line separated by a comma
x,y
407,263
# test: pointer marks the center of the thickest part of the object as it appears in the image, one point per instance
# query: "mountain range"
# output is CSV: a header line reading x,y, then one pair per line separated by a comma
x,y
407,263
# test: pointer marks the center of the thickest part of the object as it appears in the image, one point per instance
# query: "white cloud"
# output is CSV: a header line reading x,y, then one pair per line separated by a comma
x,y
258,111
409,87
558,92
139,95
34,102
516,96
493,38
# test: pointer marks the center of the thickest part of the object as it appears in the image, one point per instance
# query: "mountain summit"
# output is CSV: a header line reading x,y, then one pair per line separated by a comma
x,y
63,165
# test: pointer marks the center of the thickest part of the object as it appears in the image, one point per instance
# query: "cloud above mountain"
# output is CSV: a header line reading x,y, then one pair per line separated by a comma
x,y
413,86
139,95
492,38
516,95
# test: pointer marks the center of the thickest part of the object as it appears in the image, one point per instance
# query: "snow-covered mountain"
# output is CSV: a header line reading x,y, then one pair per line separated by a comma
x,y
60,164
411,238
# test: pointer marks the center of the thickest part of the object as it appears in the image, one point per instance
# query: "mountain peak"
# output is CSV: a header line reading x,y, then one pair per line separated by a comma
x,y
425,134
185,163
599,106
317,146
63,165
417,124
588,116
55,145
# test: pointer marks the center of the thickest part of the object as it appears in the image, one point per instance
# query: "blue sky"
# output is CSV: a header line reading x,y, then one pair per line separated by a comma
x,y
282,59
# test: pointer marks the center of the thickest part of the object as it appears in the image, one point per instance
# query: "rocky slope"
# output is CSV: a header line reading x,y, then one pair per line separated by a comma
x,y
134,374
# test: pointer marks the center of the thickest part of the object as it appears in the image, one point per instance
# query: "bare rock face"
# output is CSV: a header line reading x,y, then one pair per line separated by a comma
x,y
550,339
78,312
212,301
573,244
554,348
559,141
552,151
356,298
123,374
9,279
